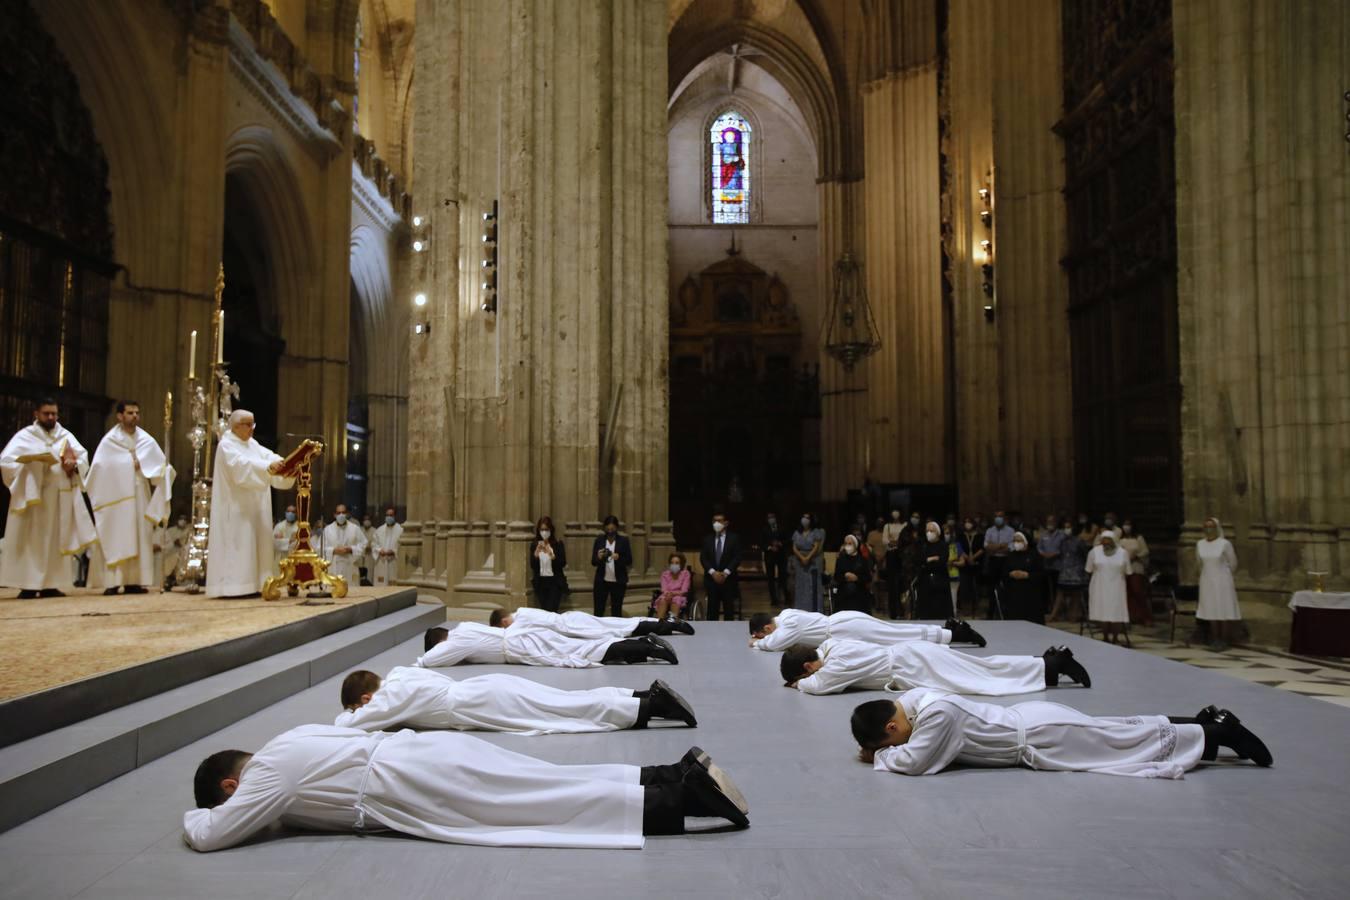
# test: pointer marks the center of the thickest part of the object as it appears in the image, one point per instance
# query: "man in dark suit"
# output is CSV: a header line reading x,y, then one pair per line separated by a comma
x,y
612,557
720,557
773,544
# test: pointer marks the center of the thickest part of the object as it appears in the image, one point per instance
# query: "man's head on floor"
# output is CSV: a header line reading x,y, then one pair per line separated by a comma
x,y
433,637
762,625
358,688
877,724
798,662
500,618
217,777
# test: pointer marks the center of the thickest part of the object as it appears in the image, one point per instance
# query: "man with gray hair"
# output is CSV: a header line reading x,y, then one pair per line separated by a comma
x,y
240,554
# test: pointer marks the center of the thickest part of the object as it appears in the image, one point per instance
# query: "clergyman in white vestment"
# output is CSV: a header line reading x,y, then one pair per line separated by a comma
x,y
790,627
344,543
384,550
239,550
283,535
43,466
578,624
129,485
528,645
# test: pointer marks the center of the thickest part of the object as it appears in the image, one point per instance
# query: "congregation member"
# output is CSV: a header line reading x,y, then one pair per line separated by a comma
x,y
1136,582
890,534
43,466
912,555
1218,606
998,540
1109,524
953,573
383,549
720,558
1020,592
130,485
447,786
837,665
612,557
1050,551
969,562
173,539
1073,576
852,574
1107,605
548,565
673,596
577,624
284,534
933,596
527,645
240,552
344,545
774,634
808,546
425,699
925,731
773,547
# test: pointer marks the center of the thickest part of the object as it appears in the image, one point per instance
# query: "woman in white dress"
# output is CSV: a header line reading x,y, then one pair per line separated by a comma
x,y
1108,565
1218,595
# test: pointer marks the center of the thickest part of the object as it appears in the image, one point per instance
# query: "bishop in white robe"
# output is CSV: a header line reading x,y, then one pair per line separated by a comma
x,y
796,626
473,642
384,550
344,544
924,732
239,553
43,466
425,699
578,624
839,664
130,486
447,786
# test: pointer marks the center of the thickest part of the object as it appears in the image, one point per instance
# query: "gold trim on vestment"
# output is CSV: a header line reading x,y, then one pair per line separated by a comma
x,y
80,549
113,502
26,506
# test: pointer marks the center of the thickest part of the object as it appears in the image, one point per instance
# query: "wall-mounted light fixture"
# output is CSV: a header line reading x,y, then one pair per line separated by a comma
x,y
986,214
421,234
422,328
489,262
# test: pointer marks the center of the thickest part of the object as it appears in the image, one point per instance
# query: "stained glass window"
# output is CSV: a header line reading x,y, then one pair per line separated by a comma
x,y
730,138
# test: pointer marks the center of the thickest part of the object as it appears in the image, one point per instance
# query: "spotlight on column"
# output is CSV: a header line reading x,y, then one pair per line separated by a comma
x,y
417,221
420,300
422,328
418,246
489,261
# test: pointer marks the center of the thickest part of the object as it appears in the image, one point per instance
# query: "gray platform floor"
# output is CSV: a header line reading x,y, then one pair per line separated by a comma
x,y
823,825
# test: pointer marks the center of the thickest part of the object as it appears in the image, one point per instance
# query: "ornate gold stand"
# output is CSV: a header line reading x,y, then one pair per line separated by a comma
x,y
302,567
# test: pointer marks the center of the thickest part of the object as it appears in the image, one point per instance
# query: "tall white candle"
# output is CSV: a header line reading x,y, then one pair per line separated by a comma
x,y
192,356
220,340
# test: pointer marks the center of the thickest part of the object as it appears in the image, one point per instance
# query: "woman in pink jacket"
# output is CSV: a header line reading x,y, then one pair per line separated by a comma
x,y
674,589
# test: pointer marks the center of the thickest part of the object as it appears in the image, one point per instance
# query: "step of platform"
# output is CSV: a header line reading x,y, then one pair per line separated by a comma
x,y
42,772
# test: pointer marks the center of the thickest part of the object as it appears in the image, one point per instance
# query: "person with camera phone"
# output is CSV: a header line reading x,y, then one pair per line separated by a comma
x,y
612,557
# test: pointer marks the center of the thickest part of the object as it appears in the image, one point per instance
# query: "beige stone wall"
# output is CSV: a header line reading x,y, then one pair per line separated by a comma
x,y
557,404
1263,232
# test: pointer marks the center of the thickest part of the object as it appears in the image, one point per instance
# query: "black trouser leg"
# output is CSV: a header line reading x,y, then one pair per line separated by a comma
x,y
663,809
773,569
609,593
715,594
549,594
626,651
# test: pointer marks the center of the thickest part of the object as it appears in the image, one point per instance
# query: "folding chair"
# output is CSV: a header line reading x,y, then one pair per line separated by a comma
x,y
1179,594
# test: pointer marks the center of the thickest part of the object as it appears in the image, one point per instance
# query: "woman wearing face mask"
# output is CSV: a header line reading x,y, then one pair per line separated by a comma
x,y
969,561
934,597
852,574
1136,583
1218,594
674,594
1020,593
953,573
912,555
1073,576
548,560
612,557
1108,565
808,542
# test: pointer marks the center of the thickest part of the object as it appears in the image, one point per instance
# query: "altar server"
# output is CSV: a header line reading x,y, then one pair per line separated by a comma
x,y
472,642
796,626
240,554
924,732
43,466
447,786
284,534
130,487
423,699
839,664
575,623
384,550
344,543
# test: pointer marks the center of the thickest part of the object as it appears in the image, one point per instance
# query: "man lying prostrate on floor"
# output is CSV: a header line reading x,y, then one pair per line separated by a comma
x,y
794,626
472,642
924,732
421,698
447,786
575,623
837,665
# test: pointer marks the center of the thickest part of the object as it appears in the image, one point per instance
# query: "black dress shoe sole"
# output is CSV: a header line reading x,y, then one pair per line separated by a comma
x,y
1247,744
715,786
686,711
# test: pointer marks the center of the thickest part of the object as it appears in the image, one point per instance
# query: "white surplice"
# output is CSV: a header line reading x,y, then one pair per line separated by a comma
x,y
919,664
951,729
473,642
578,624
798,626
421,698
1106,590
283,537
130,487
240,555
48,520
384,569
347,565
439,785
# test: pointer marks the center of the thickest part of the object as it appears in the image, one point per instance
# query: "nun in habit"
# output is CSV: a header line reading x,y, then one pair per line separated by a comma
x,y
1021,591
1218,595
852,574
1108,565
934,594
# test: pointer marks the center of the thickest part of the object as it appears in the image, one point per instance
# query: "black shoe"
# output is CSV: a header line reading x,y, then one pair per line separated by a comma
x,y
673,773
1235,736
962,633
681,626
661,649
50,592
28,595
1065,664
1208,714
710,792
666,704
134,589
110,592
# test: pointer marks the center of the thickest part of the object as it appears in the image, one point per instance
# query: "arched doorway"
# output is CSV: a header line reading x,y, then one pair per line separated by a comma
x,y
358,406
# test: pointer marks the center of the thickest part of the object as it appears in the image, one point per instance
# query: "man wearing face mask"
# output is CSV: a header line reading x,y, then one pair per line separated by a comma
x,y
283,536
772,542
344,543
890,565
1108,524
969,560
384,549
997,543
612,557
720,557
